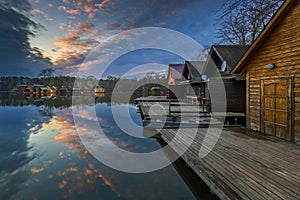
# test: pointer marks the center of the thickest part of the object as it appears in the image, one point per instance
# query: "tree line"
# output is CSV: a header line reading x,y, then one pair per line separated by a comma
x,y
11,82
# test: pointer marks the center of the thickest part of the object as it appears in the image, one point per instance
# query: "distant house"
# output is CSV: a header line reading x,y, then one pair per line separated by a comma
x,y
155,91
44,90
272,68
174,77
192,74
35,89
28,90
225,58
21,88
54,90
99,89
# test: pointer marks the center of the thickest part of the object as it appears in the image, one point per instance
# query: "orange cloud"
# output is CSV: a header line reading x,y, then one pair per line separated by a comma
x,y
88,8
74,37
37,170
61,42
69,11
91,16
50,5
37,11
85,27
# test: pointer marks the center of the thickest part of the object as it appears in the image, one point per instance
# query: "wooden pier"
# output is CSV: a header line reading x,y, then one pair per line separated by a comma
x,y
179,109
242,165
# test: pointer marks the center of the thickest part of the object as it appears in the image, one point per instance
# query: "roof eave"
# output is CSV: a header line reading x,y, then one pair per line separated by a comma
x,y
283,10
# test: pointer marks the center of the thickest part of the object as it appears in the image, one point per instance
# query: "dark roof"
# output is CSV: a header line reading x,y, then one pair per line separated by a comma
x,y
281,13
230,53
195,68
176,70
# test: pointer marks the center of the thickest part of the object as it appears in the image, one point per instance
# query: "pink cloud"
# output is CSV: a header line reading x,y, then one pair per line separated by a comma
x,y
88,8
69,11
37,11
91,16
44,15
50,5
85,27
62,26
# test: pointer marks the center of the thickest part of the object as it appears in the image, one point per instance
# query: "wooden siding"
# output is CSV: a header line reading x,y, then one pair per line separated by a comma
x,y
283,49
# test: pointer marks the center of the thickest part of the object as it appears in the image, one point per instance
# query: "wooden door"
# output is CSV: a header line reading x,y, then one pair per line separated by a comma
x,y
276,108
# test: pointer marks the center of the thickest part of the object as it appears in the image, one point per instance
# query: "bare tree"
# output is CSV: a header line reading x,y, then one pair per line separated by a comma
x,y
243,20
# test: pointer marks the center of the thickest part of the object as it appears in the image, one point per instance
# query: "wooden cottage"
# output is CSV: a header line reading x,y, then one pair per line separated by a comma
x,y
176,91
27,90
54,90
193,77
35,89
155,91
21,88
99,89
272,68
44,90
225,58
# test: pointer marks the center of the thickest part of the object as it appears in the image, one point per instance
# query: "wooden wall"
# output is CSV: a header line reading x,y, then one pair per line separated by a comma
x,y
236,95
177,91
282,48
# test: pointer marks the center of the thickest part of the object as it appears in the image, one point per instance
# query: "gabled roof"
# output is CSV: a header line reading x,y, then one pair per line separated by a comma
x,y
281,13
195,68
229,53
176,70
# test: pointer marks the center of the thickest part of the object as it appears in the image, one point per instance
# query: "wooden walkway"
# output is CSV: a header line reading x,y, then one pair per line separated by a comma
x,y
241,165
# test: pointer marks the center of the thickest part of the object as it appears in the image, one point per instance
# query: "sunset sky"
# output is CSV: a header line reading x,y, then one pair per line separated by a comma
x,y
36,34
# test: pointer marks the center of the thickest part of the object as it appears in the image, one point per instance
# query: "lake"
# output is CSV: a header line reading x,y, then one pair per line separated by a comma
x,y
42,156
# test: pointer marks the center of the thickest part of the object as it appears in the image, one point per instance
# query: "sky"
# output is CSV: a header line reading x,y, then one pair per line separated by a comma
x,y
38,34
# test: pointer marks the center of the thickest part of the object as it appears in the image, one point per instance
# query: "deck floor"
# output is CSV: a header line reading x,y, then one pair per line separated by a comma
x,y
241,165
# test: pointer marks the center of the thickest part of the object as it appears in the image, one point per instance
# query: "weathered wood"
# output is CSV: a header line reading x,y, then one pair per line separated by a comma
x,y
282,47
241,166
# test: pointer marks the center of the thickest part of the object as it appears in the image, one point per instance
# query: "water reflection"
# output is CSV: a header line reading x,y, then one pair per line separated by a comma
x,y
41,156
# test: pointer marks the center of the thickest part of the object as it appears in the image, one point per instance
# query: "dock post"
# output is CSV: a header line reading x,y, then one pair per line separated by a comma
x,y
169,106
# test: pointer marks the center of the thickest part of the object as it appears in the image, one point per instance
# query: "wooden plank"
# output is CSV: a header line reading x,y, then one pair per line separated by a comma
x,y
243,166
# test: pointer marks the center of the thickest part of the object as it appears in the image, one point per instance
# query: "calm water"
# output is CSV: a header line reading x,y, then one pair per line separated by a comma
x,y
41,157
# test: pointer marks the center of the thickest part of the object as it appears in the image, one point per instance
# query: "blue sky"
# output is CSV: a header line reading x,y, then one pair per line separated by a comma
x,y
37,34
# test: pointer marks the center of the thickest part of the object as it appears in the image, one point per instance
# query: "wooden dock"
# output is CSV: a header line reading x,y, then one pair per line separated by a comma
x,y
161,109
242,165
